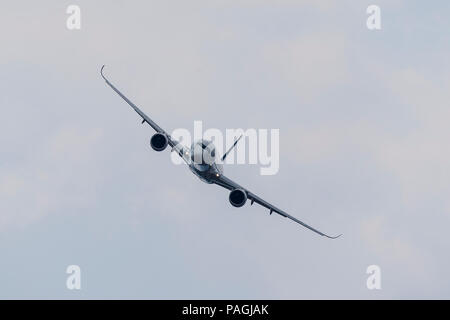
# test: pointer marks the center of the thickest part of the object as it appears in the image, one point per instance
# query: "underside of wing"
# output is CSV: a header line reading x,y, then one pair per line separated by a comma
x,y
181,150
231,185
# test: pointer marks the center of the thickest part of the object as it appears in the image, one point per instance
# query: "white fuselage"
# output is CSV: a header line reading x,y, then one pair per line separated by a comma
x,y
203,161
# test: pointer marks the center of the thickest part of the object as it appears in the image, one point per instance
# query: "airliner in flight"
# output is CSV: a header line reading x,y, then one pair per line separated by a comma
x,y
201,159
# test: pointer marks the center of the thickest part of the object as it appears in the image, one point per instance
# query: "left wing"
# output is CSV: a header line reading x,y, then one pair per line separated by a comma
x,y
231,185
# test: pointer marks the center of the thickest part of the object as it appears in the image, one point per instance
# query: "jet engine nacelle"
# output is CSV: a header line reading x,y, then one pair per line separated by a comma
x,y
158,142
238,197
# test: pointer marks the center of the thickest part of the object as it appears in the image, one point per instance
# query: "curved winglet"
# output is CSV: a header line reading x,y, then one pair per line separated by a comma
x,y
302,223
332,237
101,72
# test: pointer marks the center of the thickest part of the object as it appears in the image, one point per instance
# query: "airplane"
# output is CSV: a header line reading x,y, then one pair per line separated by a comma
x,y
201,159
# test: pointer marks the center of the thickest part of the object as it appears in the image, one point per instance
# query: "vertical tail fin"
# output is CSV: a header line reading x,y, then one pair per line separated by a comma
x,y
234,144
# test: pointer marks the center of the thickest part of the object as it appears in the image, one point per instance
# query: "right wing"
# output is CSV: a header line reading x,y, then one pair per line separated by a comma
x,y
176,146
145,118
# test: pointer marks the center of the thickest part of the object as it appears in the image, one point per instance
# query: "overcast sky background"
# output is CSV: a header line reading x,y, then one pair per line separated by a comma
x,y
364,129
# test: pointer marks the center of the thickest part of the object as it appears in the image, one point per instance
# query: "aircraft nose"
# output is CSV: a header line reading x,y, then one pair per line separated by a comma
x,y
203,155
197,156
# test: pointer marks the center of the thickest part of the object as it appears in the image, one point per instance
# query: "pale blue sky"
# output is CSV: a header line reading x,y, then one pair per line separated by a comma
x,y
363,118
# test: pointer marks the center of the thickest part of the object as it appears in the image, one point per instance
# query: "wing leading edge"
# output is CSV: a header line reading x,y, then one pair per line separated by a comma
x,y
144,117
230,185
174,144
